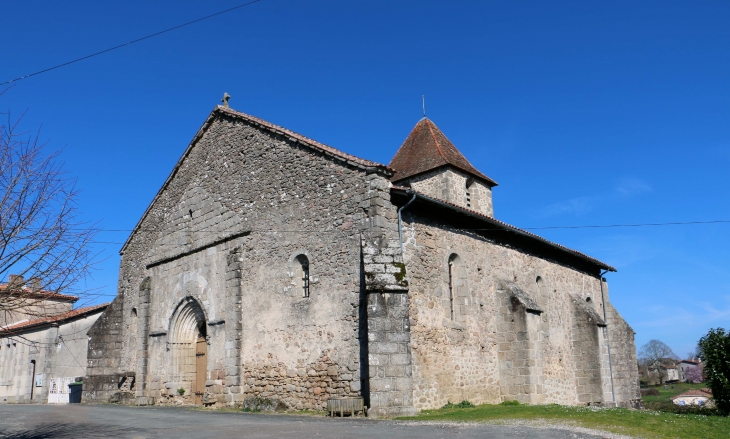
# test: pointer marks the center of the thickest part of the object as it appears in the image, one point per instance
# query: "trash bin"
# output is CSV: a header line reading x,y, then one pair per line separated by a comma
x,y
74,395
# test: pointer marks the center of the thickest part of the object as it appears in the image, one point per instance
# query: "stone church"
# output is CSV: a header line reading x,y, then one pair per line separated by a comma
x,y
270,265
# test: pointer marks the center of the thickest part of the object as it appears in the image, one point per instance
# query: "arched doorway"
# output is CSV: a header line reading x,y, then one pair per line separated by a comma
x,y
189,349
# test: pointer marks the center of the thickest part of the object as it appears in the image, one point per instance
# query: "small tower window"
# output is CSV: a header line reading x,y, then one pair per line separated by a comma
x,y
469,182
302,274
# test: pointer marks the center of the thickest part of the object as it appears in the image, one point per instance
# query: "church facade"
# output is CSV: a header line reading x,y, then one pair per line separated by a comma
x,y
272,266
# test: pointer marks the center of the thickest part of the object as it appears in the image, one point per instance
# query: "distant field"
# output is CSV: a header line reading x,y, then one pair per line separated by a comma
x,y
646,424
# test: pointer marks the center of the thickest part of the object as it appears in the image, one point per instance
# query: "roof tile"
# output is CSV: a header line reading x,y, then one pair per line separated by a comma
x,y
427,148
504,225
22,326
41,294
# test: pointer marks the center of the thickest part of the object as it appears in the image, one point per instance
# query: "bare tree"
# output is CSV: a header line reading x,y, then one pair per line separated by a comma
x,y
44,246
656,355
694,354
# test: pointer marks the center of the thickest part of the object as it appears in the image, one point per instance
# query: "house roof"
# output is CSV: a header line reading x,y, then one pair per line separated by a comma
x,y
427,148
351,160
27,293
494,224
57,319
694,393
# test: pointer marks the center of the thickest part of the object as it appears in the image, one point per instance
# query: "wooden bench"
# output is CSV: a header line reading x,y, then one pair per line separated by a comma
x,y
346,405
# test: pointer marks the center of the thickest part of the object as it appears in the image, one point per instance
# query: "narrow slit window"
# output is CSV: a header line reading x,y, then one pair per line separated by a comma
x,y
453,274
302,274
469,182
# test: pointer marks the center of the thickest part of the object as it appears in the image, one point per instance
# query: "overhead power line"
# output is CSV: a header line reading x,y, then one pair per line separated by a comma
x,y
131,42
589,226
608,226
603,226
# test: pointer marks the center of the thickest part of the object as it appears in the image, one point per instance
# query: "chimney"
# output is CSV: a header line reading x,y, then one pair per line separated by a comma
x,y
15,280
35,284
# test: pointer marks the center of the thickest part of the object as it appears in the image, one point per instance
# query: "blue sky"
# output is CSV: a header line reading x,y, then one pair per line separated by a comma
x,y
585,113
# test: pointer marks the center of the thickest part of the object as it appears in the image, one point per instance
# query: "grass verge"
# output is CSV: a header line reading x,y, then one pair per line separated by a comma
x,y
671,390
646,424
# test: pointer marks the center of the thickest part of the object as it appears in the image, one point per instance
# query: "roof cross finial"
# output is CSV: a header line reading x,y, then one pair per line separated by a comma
x,y
423,104
226,96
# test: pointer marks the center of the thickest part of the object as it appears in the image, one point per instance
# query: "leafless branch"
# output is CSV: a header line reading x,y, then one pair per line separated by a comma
x,y
44,246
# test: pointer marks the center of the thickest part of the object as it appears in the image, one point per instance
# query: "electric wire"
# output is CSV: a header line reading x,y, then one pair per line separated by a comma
x,y
593,226
130,42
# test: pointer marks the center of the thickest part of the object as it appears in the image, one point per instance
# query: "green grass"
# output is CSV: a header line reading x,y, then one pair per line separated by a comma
x,y
646,424
664,395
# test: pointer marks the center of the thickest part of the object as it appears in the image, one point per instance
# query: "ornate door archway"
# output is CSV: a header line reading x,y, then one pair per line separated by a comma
x,y
189,349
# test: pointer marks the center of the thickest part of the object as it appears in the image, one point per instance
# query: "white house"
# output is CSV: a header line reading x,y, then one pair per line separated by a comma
x,y
42,351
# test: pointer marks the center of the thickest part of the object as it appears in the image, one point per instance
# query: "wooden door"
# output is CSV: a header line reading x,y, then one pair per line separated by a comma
x,y
201,369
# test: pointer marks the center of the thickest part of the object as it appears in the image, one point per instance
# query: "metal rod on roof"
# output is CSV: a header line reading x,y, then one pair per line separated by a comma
x,y
423,104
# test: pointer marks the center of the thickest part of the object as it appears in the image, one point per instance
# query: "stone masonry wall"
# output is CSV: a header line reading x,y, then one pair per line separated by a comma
x,y
104,357
388,389
226,232
450,184
587,356
520,334
623,356
462,359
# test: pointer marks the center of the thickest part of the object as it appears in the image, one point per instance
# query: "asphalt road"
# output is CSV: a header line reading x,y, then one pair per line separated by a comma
x,y
108,421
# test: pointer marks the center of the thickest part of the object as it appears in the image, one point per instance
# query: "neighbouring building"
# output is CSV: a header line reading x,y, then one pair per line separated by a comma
x,y
672,374
685,365
665,370
270,265
43,347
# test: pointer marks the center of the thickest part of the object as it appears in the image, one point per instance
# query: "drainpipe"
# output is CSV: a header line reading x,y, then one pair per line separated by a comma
x,y
608,339
400,221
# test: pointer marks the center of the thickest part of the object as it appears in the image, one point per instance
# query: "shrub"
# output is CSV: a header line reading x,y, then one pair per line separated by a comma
x,y
259,404
462,405
715,352
670,407
649,392
181,391
514,402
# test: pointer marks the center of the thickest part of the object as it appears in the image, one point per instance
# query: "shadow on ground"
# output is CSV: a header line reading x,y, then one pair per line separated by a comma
x,y
61,430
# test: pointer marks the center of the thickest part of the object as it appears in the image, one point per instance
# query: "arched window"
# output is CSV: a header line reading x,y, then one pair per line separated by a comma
x,y
301,274
454,262
541,297
540,293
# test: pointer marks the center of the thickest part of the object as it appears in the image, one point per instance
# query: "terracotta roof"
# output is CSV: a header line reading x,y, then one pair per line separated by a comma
x,y
694,393
427,148
60,318
504,226
41,294
291,135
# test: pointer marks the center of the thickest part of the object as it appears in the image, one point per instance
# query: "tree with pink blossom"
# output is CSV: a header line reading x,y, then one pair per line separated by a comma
x,y
693,375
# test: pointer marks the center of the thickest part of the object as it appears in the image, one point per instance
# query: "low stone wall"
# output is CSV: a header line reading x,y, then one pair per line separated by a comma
x,y
305,387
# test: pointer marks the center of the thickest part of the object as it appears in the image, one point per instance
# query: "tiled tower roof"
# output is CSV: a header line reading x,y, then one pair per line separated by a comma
x,y
427,148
